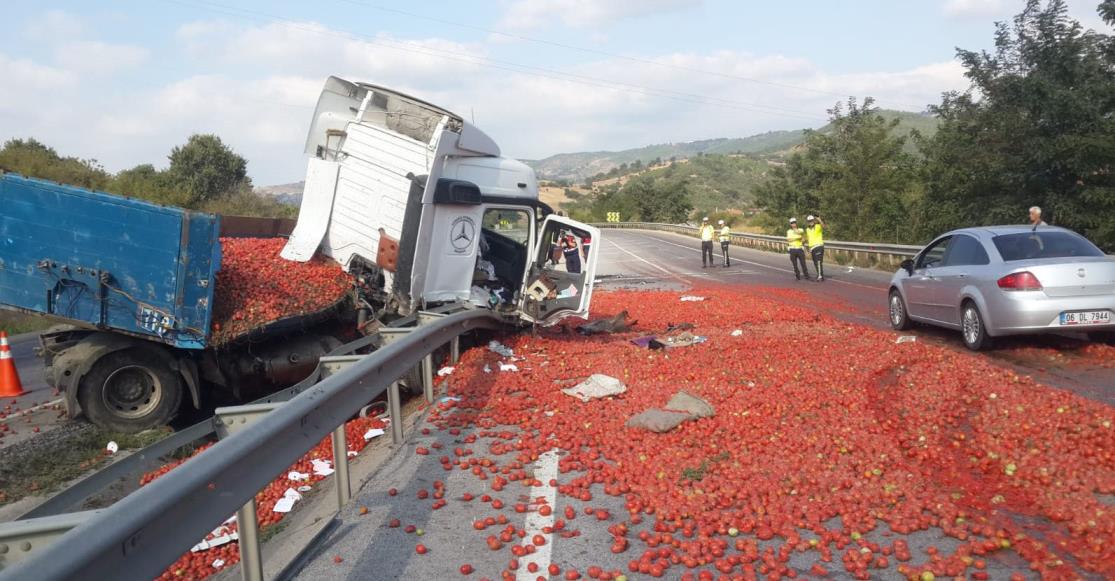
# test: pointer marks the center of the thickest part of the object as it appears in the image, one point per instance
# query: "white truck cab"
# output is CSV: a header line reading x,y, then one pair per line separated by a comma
x,y
422,202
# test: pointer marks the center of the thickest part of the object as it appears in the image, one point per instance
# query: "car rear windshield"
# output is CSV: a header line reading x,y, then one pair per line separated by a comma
x,y
1030,245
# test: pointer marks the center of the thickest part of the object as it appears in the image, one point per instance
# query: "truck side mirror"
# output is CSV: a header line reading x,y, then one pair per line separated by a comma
x,y
908,266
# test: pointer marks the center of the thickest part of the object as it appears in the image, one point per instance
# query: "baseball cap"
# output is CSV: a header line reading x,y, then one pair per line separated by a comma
x,y
793,220
810,217
706,219
720,222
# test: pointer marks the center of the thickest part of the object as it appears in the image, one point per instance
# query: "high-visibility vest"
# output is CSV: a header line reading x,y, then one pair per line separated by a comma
x,y
707,233
725,234
793,237
815,236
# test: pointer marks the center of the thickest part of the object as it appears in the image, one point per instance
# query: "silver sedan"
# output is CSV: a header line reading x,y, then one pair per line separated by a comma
x,y
1006,280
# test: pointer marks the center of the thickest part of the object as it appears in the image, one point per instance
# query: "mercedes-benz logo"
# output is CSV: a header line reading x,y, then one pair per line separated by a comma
x,y
461,233
1081,272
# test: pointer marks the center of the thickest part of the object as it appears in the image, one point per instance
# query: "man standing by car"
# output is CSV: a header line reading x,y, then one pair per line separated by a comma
x,y
815,239
707,233
794,237
1035,217
725,238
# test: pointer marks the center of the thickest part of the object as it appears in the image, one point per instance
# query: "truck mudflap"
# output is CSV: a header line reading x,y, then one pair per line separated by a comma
x,y
71,354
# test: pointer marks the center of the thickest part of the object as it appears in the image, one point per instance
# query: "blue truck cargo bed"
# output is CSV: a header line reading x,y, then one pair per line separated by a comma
x,y
114,263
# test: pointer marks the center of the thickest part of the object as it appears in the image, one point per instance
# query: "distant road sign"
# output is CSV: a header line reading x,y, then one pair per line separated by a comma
x,y
613,216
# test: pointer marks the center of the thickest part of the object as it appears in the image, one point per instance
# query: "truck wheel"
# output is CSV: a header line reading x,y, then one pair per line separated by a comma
x,y
130,391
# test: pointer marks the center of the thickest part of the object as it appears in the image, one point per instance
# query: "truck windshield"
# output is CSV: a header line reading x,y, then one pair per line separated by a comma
x,y
1048,244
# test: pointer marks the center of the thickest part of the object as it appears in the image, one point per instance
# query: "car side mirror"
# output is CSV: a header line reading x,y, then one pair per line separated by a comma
x,y
908,266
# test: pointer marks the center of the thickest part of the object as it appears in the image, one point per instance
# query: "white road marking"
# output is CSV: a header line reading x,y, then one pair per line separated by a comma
x,y
641,259
786,270
29,410
545,470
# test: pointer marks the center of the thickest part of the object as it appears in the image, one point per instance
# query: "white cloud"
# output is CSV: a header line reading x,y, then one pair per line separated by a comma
x,y
52,25
99,58
584,13
265,79
24,80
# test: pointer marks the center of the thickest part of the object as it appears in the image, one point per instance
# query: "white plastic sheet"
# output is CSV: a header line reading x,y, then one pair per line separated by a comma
x,y
596,386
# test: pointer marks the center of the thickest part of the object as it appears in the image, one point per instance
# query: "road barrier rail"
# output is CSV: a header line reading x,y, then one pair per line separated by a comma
x,y
147,530
869,254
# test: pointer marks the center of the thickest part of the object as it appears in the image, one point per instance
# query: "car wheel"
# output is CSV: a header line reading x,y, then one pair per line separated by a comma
x,y
899,318
973,328
130,391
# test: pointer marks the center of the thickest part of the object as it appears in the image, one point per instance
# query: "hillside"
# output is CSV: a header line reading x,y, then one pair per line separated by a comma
x,y
579,166
289,194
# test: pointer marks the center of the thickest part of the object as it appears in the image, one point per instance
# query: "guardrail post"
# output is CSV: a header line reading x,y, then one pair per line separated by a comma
x,y
455,350
340,464
428,377
394,411
251,560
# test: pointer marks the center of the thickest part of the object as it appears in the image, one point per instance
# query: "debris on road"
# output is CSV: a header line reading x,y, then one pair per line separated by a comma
x,y
286,503
595,387
112,448
683,339
297,476
658,421
616,324
374,433
500,349
683,401
681,408
737,333
445,371
691,299
322,467
508,367
906,339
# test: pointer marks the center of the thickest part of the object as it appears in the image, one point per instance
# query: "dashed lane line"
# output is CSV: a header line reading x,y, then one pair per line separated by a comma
x,y
545,471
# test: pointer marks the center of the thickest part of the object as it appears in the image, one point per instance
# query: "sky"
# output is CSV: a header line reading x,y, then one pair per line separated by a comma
x,y
124,81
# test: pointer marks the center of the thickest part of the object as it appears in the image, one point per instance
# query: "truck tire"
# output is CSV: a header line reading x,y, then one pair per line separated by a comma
x,y
130,391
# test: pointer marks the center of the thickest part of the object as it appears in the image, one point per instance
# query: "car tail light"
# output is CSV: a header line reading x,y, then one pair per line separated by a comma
x,y
1020,281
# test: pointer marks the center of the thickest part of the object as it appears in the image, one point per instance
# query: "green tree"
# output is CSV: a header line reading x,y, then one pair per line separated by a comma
x,y
855,174
1037,127
33,159
205,169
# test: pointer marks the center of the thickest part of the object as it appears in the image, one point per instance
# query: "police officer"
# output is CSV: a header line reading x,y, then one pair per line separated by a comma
x,y
725,237
794,237
572,254
707,234
815,239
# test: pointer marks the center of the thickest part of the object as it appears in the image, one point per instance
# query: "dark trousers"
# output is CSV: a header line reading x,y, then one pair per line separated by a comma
x,y
797,255
706,253
573,262
819,260
724,251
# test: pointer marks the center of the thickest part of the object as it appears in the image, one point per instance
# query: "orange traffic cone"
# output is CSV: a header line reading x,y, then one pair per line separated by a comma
x,y
10,386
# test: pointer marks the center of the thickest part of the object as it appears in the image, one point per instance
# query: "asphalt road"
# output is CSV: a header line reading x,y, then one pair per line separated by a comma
x,y
636,258
33,409
365,546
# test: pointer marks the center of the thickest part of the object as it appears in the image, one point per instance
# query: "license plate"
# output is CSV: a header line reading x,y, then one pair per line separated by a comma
x,y
1086,318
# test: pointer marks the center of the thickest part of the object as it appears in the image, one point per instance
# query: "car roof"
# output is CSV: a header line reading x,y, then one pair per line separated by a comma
x,y
992,231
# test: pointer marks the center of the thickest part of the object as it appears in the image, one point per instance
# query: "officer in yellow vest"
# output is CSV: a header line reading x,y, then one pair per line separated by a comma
x,y
725,238
707,233
815,239
794,240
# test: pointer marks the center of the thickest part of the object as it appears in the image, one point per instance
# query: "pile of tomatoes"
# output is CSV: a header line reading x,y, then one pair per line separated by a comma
x,y
256,286
815,419
199,565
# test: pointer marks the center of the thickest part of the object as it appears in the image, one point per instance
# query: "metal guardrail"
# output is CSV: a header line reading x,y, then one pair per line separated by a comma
x,y
140,535
887,254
